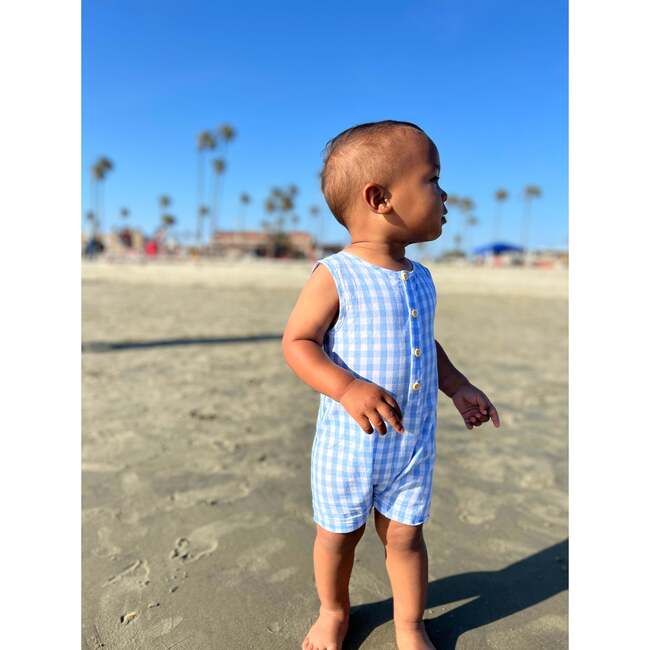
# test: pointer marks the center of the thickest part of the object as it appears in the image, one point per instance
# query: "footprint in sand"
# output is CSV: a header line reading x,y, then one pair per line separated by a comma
x,y
201,542
226,492
181,549
205,540
125,619
134,576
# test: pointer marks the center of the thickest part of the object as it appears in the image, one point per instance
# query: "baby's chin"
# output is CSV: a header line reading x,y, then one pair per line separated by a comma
x,y
432,236
436,231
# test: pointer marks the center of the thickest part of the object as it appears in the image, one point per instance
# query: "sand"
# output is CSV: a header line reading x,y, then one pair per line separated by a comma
x,y
197,528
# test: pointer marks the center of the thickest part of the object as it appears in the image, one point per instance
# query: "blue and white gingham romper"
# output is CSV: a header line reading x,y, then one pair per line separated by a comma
x,y
383,334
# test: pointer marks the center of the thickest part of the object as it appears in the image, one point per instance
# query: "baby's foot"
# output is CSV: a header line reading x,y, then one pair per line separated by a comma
x,y
412,636
328,632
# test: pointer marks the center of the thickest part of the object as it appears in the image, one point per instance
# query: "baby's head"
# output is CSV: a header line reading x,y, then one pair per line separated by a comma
x,y
381,179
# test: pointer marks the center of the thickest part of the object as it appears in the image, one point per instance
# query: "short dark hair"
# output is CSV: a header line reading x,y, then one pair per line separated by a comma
x,y
342,174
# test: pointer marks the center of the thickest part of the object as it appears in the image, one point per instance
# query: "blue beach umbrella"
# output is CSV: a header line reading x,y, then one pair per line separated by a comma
x,y
497,248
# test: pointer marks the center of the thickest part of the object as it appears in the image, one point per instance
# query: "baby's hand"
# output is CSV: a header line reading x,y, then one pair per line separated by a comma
x,y
367,403
474,406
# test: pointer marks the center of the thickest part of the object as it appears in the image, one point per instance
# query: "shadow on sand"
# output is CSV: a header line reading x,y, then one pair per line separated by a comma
x,y
107,346
496,594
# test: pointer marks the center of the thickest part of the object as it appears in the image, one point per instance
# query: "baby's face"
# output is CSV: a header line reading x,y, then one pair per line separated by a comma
x,y
416,195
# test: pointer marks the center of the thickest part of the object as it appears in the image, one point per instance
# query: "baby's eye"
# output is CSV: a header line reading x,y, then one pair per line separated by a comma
x,y
435,179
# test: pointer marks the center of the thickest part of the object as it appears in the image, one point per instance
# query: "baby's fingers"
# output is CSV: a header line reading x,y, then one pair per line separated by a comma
x,y
487,408
392,402
390,416
377,422
364,423
494,416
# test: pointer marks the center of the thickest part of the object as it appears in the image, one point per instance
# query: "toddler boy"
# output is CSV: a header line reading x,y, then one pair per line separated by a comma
x,y
362,334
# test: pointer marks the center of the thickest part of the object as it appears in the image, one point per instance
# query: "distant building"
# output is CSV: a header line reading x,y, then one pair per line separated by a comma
x,y
118,243
238,243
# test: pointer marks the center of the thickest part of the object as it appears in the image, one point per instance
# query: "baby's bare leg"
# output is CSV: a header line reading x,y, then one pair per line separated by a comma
x,y
408,568
333,560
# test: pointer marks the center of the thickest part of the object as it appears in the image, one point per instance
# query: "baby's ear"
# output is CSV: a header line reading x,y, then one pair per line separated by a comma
x,y
376,198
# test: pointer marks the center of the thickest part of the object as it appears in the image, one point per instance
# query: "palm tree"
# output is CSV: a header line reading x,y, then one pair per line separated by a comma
x,y
454,202
286,203
466,206
500,196
472,221
218,167
530,192
283,202
205,141
100,170
92,220
164,201
166,222
124,213
269,206
226,133
203,212
244,200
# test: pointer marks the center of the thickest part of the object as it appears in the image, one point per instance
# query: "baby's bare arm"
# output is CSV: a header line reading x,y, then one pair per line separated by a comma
x,y
473,404
302,346
302,342
449,377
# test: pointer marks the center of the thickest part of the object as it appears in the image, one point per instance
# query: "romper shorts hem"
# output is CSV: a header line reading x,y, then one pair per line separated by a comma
x,y
409,521
343,527
340,527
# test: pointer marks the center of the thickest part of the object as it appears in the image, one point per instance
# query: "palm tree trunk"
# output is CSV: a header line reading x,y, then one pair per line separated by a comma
x,y
199,199
497,222
525,225
215,200
218,198
100,190
96,202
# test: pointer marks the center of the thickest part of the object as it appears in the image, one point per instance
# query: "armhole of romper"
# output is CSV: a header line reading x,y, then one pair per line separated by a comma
x,y
433,285
339,290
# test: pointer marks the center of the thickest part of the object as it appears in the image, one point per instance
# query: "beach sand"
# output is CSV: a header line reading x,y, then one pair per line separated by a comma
x,y
197,520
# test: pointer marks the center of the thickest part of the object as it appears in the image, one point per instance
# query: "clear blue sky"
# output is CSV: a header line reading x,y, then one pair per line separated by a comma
x,y
487,80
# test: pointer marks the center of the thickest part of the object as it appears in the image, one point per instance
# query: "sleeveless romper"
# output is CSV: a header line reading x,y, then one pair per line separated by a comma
x,y
384,334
